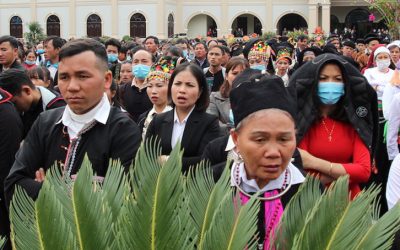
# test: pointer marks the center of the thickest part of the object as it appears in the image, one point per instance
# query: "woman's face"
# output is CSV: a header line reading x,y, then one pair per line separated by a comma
x,y
382,56
185,90
255,60
331,73
157,90
282,65
31,57
233,73
266,142
395,54
126,73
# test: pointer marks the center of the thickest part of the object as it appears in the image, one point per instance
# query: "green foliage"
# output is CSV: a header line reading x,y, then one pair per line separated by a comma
x,y
268,35
390,12
127,38
35,33
329,220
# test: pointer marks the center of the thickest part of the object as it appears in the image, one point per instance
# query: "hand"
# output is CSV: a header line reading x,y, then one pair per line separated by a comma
x,y
40,175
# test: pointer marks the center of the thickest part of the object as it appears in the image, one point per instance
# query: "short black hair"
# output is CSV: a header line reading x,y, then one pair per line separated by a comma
x,y
113,42
219,47
58,42
302,37
175,51
124,49
224,43
204,98
182,40
225,49
78,46
156,41
201,43
12,81
12,40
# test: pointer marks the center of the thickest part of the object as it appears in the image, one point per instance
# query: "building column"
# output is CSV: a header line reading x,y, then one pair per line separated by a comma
x,y
72,18
114,18
33,11
161,20
268,24
179,26
312,17
326,18
224,30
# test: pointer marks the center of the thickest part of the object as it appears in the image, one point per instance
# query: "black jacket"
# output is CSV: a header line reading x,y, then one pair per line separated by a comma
x,y
359,101
200,129
14,65
48,140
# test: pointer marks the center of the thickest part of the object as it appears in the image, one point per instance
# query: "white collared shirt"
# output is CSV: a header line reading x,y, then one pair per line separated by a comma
x,y
75,123
250,185
179,128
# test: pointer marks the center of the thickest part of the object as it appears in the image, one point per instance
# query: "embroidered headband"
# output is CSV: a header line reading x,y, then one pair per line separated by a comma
x,y
260,49
162,70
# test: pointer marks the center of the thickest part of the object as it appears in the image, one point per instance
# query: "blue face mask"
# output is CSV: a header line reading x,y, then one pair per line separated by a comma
x,y
330,92
30,62
258,66
184,53
140,71
112,58
40,51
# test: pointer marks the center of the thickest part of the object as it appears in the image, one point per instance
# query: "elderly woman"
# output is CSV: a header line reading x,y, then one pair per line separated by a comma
x,y
337,120
265,141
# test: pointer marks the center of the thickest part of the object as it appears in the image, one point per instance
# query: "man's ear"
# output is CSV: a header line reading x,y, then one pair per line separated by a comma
x,y
108,77
26,89
234,136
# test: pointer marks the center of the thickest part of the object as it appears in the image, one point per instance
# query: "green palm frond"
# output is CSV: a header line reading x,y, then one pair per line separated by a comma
x,y
302,202
2,242
24,231
92,215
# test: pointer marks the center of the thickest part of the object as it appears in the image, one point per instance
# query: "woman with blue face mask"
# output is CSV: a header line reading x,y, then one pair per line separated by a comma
x,y
337,120
30,60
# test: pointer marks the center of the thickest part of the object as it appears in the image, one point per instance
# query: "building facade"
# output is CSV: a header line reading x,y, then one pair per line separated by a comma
x,y
164,18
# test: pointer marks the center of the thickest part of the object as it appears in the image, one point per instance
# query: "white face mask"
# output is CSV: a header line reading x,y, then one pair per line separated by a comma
x,y
383,64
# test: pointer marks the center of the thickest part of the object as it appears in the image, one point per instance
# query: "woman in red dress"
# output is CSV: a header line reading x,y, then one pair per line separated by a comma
x,y
336,120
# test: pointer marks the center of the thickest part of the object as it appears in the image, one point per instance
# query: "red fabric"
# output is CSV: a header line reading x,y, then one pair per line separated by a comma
x,y
346,148
29,67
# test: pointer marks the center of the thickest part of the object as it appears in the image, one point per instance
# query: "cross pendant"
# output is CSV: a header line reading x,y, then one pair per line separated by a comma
x,y
330,138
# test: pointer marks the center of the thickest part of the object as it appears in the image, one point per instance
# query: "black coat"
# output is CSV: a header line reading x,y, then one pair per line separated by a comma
x,y
200,129
359,102
47,142
14,65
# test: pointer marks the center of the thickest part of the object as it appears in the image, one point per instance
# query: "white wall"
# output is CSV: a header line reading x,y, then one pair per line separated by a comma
x,y
63,14
127,10
197,26
7,13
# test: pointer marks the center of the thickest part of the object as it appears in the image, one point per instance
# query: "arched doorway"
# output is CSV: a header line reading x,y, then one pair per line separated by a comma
x,y
138,25
358,19
246,24
16,27
170,25
290,22
202,25
335,24
53,26
93,26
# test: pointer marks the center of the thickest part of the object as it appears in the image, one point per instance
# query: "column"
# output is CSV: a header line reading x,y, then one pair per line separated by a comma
x,y
312,17
33,11
179,25
268,24
224,30
72,18
326,18
114,18
161,20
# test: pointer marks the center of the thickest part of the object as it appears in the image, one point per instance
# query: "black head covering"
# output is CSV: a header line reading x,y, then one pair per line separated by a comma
x,y
360,40
370,37
317,51
261,93
349,43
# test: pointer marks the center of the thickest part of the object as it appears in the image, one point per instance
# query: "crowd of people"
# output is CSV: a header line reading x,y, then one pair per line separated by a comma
x,y
277,109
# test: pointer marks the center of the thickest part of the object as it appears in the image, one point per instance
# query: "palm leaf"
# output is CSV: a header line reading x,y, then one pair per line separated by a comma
x,y
24,231
2,242
221,189
234,226
92,216
324,217
381,234
292,222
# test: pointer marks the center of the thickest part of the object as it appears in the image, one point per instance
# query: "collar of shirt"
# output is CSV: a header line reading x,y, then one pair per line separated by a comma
x,y
47,96
153,110
250,185
49,64
76,123
134,84
200,61
176,119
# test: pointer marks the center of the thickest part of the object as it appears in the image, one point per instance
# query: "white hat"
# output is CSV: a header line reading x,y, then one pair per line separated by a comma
x,y
394,43
381,50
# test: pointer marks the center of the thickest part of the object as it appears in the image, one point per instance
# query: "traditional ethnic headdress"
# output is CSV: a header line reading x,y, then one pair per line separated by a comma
x,y
260,49
284,53
162,69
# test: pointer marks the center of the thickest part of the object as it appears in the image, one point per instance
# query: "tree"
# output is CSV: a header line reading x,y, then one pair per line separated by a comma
x,y
390,12
156,207
35,34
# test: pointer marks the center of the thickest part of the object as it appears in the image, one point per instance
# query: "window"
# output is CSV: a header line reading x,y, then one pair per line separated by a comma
x,y
93,26
53,26
16,27
138,25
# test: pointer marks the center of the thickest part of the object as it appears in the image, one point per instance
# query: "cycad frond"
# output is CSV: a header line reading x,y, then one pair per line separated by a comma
x,y
2,242
24,231
381,234
92,215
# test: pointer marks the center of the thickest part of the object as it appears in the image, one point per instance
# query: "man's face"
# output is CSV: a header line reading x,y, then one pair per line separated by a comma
x,y
182,46
336,43
361,47
142,57
82,80
372,44
302,44
24,99
111,49
8,54
151,46
214,56
50,53
200,51
347,51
